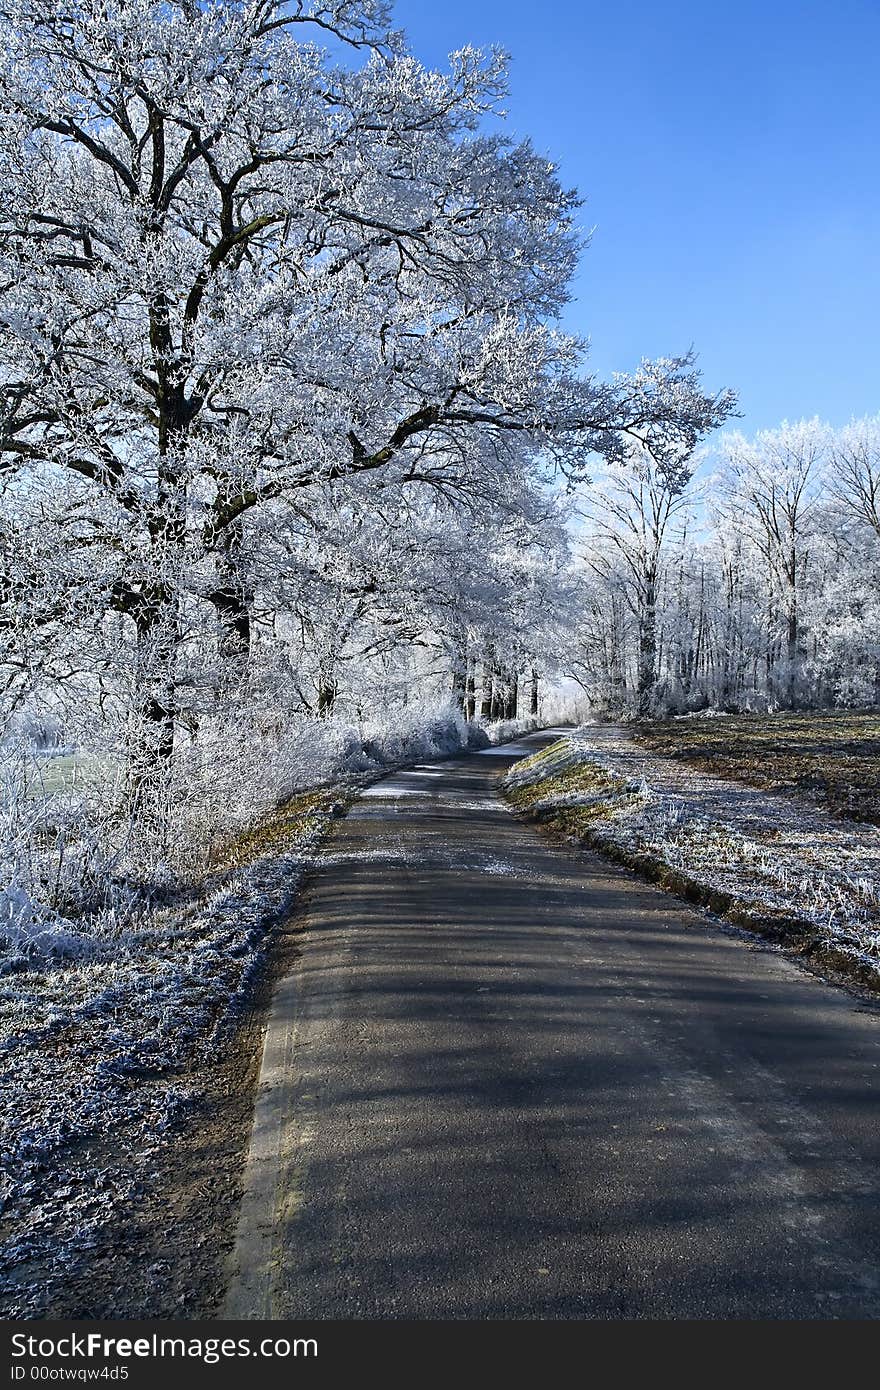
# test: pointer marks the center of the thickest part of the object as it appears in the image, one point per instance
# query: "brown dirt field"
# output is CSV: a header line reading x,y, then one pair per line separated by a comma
x,y
832,759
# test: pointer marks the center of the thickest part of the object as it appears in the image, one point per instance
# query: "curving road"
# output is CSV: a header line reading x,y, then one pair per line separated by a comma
x,y
507,1080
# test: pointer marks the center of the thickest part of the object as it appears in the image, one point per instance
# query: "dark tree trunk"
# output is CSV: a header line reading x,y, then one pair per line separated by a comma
x,y
471,689
513,695
647,647
153,610
792,638
459,675
487,694
498,703
234,614
533,691
327,692
231,598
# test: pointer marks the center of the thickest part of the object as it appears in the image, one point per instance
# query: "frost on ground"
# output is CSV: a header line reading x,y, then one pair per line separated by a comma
x,y
767,857
99,1048
107,1012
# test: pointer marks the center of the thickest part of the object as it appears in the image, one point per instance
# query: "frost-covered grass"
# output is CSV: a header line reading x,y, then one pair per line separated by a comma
x,y
763,860
78,867
63,771
124,966
832,758
559,777
100,1047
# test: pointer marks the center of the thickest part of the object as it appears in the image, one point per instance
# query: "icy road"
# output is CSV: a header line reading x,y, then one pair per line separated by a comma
x,y
506,1080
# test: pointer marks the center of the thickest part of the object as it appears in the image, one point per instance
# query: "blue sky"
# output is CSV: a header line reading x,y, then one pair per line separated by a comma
x,y
729,156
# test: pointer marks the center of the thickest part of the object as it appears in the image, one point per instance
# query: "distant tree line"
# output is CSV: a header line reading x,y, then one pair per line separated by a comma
x,y
753,584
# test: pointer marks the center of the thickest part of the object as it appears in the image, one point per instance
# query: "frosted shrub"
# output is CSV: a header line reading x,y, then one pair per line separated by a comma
x,y
504,730
62,865
80,864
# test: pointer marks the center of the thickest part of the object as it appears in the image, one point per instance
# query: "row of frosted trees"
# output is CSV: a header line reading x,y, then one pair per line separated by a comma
x,y
751,582
281,377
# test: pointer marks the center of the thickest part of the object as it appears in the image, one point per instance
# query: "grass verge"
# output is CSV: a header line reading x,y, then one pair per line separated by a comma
x,y
129,1080
574,797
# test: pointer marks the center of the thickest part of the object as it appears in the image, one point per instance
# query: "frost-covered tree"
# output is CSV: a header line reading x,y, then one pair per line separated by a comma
x,y
771,486
281,381
641,498
769,595
854,472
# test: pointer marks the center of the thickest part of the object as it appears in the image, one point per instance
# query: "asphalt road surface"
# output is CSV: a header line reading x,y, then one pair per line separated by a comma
x,y
507,1080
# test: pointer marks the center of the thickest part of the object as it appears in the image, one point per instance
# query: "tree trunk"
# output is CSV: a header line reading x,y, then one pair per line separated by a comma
x,y
152,748
327,692
486,697
327,685
647,647
459,675
234,613
533,692
471,689
497,705
231,599
513,695
792,639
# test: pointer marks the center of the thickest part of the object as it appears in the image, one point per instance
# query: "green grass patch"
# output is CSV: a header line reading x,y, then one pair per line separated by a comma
x,y
582,777
545,756
296,821
552,775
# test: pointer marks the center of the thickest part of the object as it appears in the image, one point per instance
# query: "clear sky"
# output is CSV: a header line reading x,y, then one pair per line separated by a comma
x,y
730,157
